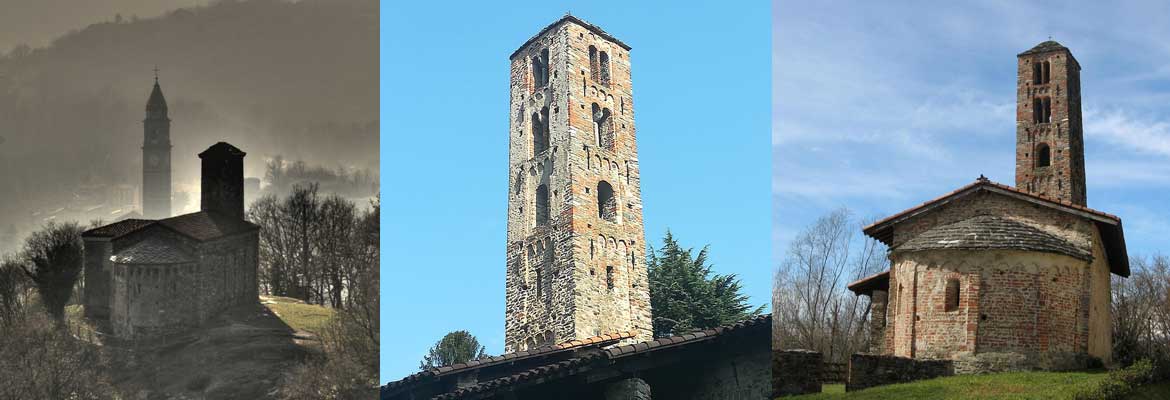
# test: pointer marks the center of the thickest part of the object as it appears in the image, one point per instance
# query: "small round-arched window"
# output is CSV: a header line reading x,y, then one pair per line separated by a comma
x,y
1043,155
606,202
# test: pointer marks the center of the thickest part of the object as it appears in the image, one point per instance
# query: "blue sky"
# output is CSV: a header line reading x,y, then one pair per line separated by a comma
x,y
879,107
700,80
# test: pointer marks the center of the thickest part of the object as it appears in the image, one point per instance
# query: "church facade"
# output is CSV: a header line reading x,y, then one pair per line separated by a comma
x,y
153,277
995,277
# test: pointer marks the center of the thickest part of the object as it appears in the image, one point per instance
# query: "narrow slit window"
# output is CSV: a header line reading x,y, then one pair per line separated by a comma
x,y
542,205
609,277
603,61
594,73
952,301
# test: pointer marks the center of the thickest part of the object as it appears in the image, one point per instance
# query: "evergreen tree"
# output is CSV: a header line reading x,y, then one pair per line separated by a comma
x,y
685,295
455,347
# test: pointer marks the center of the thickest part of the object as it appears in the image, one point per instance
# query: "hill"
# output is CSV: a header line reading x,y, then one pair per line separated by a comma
x,y
241,354
1016,385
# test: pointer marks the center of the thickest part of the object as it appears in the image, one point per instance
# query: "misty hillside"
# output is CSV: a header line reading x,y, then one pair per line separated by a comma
x,y
273,77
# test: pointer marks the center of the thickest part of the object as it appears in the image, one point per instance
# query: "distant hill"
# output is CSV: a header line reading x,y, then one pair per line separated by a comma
x,y
270,76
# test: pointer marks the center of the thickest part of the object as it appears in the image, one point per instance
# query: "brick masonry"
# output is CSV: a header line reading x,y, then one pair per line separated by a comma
x,y
1048,116
575,266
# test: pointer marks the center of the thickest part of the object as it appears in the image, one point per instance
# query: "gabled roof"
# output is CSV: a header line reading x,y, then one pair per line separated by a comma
x,y
581,356
201,226
991,232
207,225
1109,226
117,229
153,251
570,18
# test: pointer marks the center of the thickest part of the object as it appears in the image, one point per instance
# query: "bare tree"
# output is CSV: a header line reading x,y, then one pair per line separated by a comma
x,y
812,309
1141,313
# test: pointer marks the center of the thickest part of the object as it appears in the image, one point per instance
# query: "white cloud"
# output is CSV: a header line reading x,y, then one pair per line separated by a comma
x,y
1119,128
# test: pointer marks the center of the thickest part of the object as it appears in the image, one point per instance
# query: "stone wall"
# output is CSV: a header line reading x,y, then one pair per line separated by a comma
x,y
796,372
97,278
580,271
153,300
1064,177
869,370
227,273
745,376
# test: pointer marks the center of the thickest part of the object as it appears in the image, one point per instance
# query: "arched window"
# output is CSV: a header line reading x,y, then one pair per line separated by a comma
x,y
1047,72
540,131
1043,155
603,61
1036,73
540,69
542,201
603,131
606,202
593,71
1042,110
952,301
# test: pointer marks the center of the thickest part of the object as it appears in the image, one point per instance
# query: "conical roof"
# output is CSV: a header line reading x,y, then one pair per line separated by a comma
x,y
156,102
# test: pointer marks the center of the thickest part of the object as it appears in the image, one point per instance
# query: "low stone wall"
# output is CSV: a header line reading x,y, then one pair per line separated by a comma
x,y
869,370
985,363
795,372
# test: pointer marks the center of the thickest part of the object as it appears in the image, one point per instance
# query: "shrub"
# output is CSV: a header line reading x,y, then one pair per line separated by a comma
x,y
1120,382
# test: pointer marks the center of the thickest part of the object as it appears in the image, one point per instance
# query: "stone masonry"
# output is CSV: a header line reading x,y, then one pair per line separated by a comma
x,y
575,267
1050,155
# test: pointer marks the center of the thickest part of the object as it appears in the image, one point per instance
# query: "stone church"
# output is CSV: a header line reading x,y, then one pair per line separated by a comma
x,y
578,316
152,277
994,277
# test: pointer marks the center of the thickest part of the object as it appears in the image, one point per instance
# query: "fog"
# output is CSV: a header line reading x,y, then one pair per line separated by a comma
x,y
274,78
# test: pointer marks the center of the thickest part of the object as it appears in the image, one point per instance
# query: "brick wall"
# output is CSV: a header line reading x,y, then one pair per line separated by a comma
x,y
1064,178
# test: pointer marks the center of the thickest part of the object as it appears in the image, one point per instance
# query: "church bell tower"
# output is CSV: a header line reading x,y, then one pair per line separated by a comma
x,y
156,156
575,262
1050,146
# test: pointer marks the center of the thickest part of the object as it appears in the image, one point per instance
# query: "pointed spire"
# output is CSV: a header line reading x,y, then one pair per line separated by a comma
x,y
156,105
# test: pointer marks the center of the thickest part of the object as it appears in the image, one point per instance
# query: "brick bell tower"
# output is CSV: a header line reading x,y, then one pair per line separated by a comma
x,y
156,156
1050,147
575,262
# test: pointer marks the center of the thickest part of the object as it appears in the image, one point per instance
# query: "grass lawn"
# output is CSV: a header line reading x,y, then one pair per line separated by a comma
x,y
298,315
1157,391
1015,385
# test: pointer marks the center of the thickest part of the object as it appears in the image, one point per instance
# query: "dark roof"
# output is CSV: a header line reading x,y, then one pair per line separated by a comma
x,y
222,149
569,366
117,229
570,18
207,225
1112,235
1049,46
990,232
600,340
201,226
866,285
156,100
153,250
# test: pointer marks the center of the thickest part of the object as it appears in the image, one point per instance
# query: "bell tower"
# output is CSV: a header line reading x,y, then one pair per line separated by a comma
x,y
575,262
1050,147
156,156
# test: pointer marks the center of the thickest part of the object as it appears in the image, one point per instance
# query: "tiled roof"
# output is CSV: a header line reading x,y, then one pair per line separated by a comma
x,y
568,366
1044,47
600,340
207,225
153,250
867,285
570,18
117,229
1109,225
990,232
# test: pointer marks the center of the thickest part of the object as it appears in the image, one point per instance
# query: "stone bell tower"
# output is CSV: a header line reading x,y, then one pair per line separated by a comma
x,y
575,265
1050,146
156,156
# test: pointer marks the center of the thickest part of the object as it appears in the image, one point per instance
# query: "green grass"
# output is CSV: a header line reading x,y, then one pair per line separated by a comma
x,y
1015,385
298,315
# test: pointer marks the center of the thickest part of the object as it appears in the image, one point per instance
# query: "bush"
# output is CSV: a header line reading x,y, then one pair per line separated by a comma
x,y
1120,382
40,359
